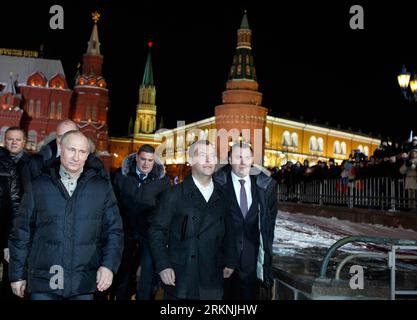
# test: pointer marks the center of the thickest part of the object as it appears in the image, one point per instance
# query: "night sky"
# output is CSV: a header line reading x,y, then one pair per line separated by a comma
x,y
309,62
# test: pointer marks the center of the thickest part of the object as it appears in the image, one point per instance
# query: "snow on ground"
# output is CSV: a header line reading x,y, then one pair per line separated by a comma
x,y
297,231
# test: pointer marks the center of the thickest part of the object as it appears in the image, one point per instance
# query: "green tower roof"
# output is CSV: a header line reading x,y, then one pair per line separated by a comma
x,y
245,23
148,75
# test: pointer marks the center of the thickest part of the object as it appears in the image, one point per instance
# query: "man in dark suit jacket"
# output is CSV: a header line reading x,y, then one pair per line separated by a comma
x,y
253,203
191,235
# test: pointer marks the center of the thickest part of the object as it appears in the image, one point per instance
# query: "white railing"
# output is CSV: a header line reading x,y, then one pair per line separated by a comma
x,y
377,193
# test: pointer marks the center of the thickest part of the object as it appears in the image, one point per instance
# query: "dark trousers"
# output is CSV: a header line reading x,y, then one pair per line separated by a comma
x,y
53,296
136,252
124,280
240,286
148,279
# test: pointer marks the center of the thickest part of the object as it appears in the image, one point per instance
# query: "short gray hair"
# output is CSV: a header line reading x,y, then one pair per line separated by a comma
x,y
193,147
67,134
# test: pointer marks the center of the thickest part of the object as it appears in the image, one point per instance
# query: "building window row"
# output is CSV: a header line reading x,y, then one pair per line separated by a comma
x,y
289,139
339,148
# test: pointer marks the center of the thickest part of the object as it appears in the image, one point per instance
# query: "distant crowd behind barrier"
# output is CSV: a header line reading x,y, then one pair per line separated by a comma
x,y
386,180
386,161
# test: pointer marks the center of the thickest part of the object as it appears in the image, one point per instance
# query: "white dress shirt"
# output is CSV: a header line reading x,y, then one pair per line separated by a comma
x,y
248,188
205,191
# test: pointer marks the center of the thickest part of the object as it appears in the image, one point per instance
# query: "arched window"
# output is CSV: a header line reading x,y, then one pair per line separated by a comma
x,y
366,151
294,139
102,83
313,144
180,142
337,149
58,82
36,80
320,144
343,148
189,139
360,148
59,111
52,110
170,144
38,108
32,139
31,108
267,135
81,81
202,135
148,125
88,112
286,139
94,113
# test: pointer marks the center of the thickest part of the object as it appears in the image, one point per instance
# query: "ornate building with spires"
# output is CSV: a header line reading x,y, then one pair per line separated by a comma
x,y
34,94
280,140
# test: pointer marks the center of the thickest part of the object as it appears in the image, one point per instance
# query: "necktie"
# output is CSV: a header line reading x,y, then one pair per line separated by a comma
x,y
243,198
141,177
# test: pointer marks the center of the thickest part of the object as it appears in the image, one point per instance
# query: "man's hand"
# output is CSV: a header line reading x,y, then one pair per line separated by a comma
x,y
168,276
19,288
104,278
227,272
6,254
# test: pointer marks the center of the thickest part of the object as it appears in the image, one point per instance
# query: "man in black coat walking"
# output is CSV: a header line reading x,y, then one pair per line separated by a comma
x,y
67,238
253,200
191,235
9,204
138,185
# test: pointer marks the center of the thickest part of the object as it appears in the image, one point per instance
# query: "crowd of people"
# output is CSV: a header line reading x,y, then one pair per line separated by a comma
x,y
394,160
72,231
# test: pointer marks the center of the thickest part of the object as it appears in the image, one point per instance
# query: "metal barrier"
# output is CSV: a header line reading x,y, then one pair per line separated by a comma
x,y
392,256
377,193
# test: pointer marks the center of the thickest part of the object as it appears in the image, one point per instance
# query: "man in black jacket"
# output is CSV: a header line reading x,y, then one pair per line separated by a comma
x,y
191,235
67,239
15,139
9,204
253,200
138,185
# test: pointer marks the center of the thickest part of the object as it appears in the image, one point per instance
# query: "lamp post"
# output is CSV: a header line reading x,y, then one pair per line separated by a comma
x,y
408,85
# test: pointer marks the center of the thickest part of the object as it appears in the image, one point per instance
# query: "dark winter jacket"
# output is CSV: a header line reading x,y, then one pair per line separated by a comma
x,y
266,189
195,238
9,196
78,233
137,201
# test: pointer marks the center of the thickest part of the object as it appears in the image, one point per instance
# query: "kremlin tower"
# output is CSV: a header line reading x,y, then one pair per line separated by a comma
x,y
146,109
91,99
241,109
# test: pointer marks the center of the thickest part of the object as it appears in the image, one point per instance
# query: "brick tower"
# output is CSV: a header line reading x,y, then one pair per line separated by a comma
x,y
241,111
91,96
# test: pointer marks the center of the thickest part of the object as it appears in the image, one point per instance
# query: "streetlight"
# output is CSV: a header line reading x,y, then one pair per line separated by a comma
x,y
405,81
